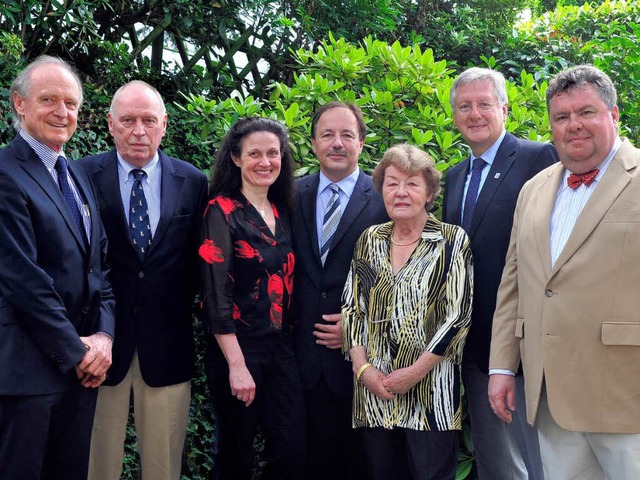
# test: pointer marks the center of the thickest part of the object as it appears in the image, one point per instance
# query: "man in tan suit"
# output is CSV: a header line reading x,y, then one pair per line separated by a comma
x,y
569,301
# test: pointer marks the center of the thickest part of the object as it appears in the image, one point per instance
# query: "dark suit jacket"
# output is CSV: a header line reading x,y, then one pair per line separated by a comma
x,y
53,286
317,289
516,162
154,296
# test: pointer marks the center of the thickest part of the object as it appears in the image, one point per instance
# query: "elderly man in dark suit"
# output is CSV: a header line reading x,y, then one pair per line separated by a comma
x,y
56,305
151,207
333,207
480,195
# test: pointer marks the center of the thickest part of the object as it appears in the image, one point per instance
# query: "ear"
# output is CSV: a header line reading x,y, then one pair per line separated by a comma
x,y
18,103
236,161
110,121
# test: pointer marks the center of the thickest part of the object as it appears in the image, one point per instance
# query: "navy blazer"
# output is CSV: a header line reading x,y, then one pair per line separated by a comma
x,y
317,289
53,285
516,162
154,296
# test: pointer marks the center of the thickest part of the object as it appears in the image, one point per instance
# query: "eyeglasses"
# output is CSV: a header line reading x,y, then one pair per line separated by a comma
x,y
482,106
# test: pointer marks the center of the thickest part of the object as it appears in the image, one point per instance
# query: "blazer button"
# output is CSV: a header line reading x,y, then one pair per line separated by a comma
x,y
85,309
90,268
323,295
141,274
548,293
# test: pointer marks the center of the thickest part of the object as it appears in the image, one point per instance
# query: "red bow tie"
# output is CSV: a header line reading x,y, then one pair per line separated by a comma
x,y
575,179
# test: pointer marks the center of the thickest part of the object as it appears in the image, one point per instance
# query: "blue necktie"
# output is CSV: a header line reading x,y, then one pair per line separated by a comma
x,y
67,193
139,227
330,221
472,193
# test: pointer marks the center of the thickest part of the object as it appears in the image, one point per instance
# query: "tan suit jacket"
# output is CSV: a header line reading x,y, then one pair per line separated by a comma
x,y
577,326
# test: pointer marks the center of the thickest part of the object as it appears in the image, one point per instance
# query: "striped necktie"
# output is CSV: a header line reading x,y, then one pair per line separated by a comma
x,y
330,221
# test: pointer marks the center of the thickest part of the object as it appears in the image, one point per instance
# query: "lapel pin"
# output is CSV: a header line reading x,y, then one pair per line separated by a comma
x,y
497,175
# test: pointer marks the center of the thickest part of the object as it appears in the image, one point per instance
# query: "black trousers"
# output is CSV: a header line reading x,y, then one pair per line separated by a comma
x,y
334,449
278,410
46,437
402,453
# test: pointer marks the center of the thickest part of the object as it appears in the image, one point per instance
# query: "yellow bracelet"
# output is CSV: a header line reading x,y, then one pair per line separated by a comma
x,y
361,371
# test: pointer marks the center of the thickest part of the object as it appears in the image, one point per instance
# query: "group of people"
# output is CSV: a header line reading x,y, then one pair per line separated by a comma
x,y
343,320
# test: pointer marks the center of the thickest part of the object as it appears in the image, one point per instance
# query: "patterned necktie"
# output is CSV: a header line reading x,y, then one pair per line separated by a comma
x,y
67,193
575,179
472,193
330,221
139,227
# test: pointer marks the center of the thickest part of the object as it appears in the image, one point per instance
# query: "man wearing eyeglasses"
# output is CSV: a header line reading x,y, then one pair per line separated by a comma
x,y
480,195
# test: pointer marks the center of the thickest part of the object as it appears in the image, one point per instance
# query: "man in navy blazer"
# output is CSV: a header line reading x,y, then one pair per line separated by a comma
x,y
154,286
56,305
479,101
338,133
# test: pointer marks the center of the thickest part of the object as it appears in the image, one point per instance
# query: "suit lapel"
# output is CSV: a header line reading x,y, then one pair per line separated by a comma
x,y
499,169
170,190
359,199
36,170
308,198
108,186
545,199
613,182
456,190
86,193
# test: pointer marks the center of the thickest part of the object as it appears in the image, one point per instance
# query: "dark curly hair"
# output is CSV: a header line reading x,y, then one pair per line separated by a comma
x,y
226,177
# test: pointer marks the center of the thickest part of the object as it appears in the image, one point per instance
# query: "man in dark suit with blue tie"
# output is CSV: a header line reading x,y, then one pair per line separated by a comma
x,y
56,305
151,206
480,195
333,207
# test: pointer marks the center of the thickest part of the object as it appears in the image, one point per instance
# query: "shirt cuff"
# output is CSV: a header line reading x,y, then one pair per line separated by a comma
x,y
501,371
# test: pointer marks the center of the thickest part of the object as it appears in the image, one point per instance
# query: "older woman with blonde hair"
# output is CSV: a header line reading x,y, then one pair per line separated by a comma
x,y
406,313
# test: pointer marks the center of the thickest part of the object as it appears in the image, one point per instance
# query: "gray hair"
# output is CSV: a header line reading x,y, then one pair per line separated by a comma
x,y
21,84
477,74
411,160
137,82
582,76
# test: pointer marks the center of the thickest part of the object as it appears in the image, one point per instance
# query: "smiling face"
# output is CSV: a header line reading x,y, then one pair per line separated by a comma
x,y
137,124
479,128
405,194
337,143
584,129
49,111
259,161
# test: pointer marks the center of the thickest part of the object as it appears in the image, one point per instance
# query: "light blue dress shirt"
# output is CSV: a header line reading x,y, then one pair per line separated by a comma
x,y
49,158
488,156
346,186
151,186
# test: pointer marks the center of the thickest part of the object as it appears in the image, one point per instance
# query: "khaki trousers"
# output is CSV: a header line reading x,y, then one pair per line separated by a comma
x,y
570,455
161,417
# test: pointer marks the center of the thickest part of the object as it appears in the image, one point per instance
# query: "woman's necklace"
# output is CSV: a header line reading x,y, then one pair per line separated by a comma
x,y
403,244
263,210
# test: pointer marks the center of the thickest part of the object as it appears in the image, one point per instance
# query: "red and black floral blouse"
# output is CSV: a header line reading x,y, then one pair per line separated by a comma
x,y
247,271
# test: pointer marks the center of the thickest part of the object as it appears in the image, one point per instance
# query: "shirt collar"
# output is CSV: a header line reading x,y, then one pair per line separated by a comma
x,y
151,169
490,153
602,167
347,184
44,152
